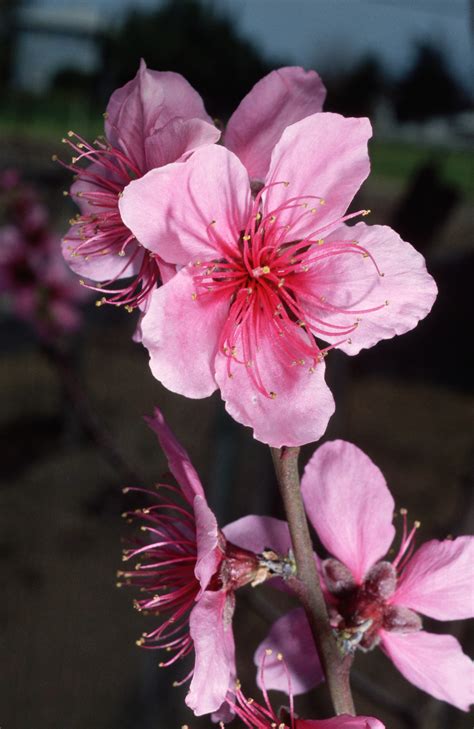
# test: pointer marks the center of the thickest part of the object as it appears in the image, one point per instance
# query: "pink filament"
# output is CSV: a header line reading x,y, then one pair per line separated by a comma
x,y
269,292
102,232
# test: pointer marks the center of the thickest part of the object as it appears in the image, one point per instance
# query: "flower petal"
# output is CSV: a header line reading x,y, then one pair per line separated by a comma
x,y
324,155
301,405
281,98
101,268
437,580
434,663
348,503
289,637
179,462
177,138
181,334
207,541
210,627
147,103
171,209
402,296
257,533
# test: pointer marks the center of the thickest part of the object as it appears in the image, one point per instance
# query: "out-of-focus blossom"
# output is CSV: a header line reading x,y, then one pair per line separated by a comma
x,y
373,601
265,276
188,570
35,283
155,119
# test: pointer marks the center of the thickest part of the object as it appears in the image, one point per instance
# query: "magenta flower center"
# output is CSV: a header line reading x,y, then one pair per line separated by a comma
x,y
363,610
101,231
272,286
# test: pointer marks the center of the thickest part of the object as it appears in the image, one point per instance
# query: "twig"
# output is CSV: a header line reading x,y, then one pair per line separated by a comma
x,y
306,584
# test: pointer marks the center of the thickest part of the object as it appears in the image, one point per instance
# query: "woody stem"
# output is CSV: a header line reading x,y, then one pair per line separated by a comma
x,y
306,584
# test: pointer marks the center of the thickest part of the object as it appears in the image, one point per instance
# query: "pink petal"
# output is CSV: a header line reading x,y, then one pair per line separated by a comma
x,y
291,638
402,296
147,103
214,670
171,209
179,462
207,540
340,722
324,155
257,533
100,268
176,139
348,503
181,335
281,98
298,414
434,663
437,580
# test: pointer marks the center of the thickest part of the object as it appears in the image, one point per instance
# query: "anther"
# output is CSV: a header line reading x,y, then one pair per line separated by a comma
x,y
366,212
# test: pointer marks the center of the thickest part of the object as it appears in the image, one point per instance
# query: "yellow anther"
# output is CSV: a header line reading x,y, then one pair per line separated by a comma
x,y
273,395
366,212
280,656
320,241
246,237
322,201
194,296
268,651
105,115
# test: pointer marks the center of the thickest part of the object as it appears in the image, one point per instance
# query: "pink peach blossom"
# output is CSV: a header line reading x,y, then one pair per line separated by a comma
x,y
154,119
189,570
371,600
264,278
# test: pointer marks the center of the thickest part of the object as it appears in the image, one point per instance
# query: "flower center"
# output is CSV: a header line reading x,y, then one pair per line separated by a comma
x,y
274,292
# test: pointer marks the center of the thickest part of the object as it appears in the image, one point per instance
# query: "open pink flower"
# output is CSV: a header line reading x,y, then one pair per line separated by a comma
x,y
263,716
189,570
154,119
264,278
374,601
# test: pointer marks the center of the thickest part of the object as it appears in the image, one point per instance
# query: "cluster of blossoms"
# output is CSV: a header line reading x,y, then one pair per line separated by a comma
x,y
237,252
34,282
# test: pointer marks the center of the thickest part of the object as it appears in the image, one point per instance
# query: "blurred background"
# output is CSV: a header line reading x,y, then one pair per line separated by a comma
x,y
70,423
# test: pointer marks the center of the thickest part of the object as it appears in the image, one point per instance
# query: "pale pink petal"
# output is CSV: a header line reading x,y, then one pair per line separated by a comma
x,y
176,139
324,155
100,268
181,334
257,533
281,98
353,281
348,503
210,625
301,405
340,722
438,580
289,637
179,462
434,663
171,209
147,103
207,541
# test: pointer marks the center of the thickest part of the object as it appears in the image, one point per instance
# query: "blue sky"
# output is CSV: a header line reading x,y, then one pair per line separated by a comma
x,y
322,34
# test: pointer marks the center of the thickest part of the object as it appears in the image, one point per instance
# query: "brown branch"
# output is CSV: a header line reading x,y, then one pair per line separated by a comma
x,y
306,585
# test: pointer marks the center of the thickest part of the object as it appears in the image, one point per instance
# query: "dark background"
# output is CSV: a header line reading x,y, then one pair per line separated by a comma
x,y
69,659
